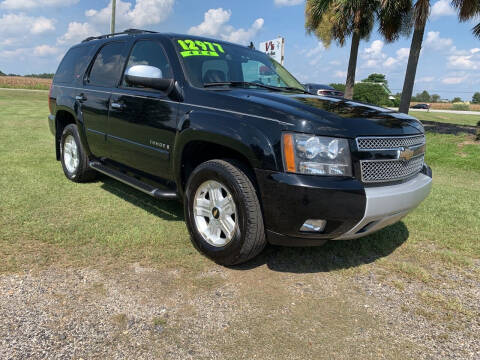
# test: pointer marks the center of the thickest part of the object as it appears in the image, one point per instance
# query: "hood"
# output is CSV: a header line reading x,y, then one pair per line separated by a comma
x,y
321,115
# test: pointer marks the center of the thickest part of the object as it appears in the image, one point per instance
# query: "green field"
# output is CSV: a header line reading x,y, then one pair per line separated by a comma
x,y
458,119
47,221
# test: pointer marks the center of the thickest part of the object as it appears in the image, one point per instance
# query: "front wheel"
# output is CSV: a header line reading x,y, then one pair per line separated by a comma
x,y
223,213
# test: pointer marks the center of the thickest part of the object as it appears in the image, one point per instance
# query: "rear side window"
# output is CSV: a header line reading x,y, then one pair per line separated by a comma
x,y
108,65
73,66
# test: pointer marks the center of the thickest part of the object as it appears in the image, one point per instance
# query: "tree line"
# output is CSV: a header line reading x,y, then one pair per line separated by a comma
x,y
39,76
338,20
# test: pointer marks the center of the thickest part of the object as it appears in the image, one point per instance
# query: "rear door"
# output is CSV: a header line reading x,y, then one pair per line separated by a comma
x,y
104,75
142,121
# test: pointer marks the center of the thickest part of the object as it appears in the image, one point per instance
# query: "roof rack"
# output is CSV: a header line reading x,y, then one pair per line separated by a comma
x,y
125,32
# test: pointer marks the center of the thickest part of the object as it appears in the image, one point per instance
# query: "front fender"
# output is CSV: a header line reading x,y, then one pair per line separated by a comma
x,y
237,132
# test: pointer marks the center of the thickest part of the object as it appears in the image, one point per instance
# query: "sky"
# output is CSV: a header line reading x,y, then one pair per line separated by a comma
x,y
35,34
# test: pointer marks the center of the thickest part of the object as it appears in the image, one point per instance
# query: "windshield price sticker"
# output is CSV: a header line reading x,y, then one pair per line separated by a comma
x,y
199,48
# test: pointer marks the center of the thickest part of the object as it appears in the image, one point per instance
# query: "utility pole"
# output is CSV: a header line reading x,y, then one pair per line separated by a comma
x,y
112,25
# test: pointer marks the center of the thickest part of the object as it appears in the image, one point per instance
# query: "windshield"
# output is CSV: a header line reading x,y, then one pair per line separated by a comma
x,y
208,62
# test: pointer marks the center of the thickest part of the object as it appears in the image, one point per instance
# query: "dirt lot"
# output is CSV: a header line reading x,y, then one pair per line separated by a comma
x,y
101,271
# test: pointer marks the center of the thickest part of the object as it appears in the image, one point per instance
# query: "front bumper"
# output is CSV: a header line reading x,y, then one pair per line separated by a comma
x,y
350,209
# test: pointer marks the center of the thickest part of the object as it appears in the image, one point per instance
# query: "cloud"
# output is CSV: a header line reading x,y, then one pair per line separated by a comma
x,y
375,50
77,32
242,36
30,4
45,50
340,74
403,54
435,42
442,8
13,54
215,24
15,24
145,12
314,53
288,2
426,79
41,25
213,21
390,62
453,80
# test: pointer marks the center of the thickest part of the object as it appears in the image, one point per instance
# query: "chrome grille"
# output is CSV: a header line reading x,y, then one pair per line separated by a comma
x,y
390,170
382,143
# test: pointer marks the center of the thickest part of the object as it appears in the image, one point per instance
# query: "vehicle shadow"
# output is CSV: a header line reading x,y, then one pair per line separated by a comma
x,y
170,210
334,255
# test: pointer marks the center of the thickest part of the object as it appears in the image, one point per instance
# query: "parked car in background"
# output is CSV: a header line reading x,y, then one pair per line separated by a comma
x,y
323,90
421,106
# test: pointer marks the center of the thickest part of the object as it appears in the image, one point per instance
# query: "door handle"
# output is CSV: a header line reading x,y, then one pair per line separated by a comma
x,y
117,105
80,97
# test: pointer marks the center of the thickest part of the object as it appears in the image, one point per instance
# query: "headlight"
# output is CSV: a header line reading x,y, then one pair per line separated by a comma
x,y
316,155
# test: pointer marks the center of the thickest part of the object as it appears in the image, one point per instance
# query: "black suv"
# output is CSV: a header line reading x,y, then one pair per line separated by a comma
x,y
228,131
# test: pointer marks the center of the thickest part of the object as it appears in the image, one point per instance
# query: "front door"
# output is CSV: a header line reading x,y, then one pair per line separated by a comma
x,y
95,97
142,122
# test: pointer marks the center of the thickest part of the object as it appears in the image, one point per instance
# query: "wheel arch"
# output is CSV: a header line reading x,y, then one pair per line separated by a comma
x,y
204,137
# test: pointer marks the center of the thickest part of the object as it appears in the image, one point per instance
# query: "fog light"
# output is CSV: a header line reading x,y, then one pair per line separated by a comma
x,y
314,225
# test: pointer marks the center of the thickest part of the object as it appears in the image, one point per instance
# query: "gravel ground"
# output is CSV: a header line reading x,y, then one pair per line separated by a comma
x,y
142,313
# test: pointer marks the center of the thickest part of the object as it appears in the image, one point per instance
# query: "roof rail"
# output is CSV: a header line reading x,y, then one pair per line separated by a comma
x,y
125,32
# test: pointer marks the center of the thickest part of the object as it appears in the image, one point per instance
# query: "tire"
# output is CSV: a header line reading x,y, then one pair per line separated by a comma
x,y
73,157
247,239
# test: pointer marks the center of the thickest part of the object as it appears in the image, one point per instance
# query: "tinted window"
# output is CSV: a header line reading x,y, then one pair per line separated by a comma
x,y
150,53
73,66
108,65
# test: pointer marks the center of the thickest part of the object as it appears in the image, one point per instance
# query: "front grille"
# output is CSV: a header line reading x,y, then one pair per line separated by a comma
x,y
383,143
390,170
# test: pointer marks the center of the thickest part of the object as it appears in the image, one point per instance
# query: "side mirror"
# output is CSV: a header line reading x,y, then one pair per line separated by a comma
x,y
149,77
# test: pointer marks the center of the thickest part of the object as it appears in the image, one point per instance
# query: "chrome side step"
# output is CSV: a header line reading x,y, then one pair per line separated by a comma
x,y
135,183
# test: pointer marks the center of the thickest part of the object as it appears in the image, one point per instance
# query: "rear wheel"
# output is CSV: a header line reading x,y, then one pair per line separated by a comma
x,y
73,157
223,213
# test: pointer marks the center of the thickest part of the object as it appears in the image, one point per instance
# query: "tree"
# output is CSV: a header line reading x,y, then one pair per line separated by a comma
x,y
435,98
377,78
421,11
424,96
371,94
476,98
2,73
457,100
468,9
336,20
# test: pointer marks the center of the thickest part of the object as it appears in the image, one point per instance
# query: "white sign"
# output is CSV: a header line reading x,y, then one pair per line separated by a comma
x,y
275,48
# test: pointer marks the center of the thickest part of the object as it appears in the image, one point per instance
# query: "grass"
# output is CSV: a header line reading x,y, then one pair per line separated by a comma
x,y
312,300
458,119
45,219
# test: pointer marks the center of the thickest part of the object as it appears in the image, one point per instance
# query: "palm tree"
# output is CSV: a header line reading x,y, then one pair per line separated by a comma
x,y
337,20
421,11
468,9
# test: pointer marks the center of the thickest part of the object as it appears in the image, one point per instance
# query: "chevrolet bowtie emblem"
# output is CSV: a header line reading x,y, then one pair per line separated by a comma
x,y
405,154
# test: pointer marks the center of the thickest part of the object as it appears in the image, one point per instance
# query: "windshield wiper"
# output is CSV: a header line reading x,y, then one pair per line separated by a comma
x,y
242,83
290,88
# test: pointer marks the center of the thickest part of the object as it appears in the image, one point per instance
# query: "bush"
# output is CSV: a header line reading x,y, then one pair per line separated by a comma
x,y
371,94
461,107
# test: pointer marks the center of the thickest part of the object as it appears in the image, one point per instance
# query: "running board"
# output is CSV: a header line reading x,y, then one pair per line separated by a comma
x,y
135,183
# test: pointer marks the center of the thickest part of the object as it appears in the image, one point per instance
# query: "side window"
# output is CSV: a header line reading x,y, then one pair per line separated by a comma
x,y
108,65
73,65
257,71
146,52
214,71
